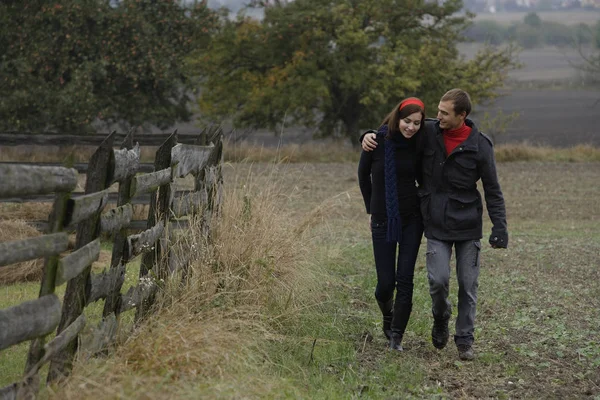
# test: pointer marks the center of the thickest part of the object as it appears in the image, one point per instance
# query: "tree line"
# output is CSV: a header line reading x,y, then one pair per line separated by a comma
x,y
533,32
337,65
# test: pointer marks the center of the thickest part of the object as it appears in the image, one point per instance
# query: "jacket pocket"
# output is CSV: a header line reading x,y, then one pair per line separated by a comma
x,y
462,172
463,211
379,229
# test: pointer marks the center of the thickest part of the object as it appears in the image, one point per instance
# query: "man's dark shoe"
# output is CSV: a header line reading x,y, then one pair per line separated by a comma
x,y
440,333
396,342
465,352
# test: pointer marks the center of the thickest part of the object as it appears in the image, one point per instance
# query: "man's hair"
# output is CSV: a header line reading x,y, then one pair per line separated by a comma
x,y
461,100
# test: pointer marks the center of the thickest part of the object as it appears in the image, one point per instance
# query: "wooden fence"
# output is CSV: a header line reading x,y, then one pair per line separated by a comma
x,y
34,320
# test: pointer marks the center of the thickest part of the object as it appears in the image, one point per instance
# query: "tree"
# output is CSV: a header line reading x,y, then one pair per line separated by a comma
x,y
67,64
589,64
532,19
340,65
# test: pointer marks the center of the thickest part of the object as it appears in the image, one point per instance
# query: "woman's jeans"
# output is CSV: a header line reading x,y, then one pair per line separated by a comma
x,y
389,274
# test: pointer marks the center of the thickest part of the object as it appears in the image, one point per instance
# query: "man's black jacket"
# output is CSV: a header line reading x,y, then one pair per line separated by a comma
x,y
451,205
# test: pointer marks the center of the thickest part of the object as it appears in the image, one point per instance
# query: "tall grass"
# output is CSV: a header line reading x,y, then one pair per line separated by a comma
x,y
343,152
245,282
525,152
315,151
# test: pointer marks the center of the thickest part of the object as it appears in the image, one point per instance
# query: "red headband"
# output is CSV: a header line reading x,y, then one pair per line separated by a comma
x,y
411,100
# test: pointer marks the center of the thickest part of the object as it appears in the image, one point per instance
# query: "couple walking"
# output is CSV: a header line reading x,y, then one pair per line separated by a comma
x,y
445,157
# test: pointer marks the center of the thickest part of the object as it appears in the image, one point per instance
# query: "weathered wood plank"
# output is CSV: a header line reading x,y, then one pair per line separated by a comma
x,y
133,225
188,204
31,385
137,295
159,211
117,218
142,242
57,344
146,183
32,248
23,180
80,167
112,198
104,282
102,336
137,225
29,320
190,159
83,207
72,265
114,295
127,163
58,139
77,289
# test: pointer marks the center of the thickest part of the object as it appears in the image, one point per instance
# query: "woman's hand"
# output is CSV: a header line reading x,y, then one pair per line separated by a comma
x,y
369,143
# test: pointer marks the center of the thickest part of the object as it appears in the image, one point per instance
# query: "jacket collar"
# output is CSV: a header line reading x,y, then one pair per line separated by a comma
x,y
470,144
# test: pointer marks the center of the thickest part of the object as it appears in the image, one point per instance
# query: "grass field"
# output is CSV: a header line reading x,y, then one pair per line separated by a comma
x,y
537,326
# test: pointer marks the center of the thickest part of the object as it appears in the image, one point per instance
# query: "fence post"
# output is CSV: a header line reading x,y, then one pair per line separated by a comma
x,y
30,387
111,303
160,203
210,179
217,198
78,288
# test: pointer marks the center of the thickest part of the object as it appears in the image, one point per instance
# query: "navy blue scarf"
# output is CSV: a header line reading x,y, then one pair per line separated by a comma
x,y
394,222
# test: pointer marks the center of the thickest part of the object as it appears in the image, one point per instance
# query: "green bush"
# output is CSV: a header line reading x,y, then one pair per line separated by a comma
x,y
557,34
583,34
528,36
532,19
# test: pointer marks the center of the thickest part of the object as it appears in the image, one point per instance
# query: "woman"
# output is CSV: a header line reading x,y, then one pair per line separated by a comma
x,y
387,179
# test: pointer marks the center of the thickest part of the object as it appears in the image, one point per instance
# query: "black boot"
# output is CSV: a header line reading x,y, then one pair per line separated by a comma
x,y
440,333
387,312
400,320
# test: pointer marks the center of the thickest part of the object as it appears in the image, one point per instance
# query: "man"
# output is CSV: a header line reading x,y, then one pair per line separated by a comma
x,y
455,156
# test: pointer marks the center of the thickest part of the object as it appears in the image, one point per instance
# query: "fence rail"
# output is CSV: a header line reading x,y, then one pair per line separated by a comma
x,y
93,139
79,167
86,214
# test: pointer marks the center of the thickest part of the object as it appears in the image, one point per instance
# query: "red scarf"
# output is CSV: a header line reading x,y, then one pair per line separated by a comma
x,y
454,137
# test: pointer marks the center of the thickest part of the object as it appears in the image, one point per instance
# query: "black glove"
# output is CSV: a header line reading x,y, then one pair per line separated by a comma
x,y
499,240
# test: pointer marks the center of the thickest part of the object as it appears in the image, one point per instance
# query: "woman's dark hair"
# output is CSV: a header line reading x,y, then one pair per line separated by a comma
x,y
392,120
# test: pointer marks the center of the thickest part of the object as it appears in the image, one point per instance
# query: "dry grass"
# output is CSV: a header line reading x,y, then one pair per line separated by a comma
x,y
46,153
25,271
332,152
25,211
525,152
326,151
241,287
323,151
